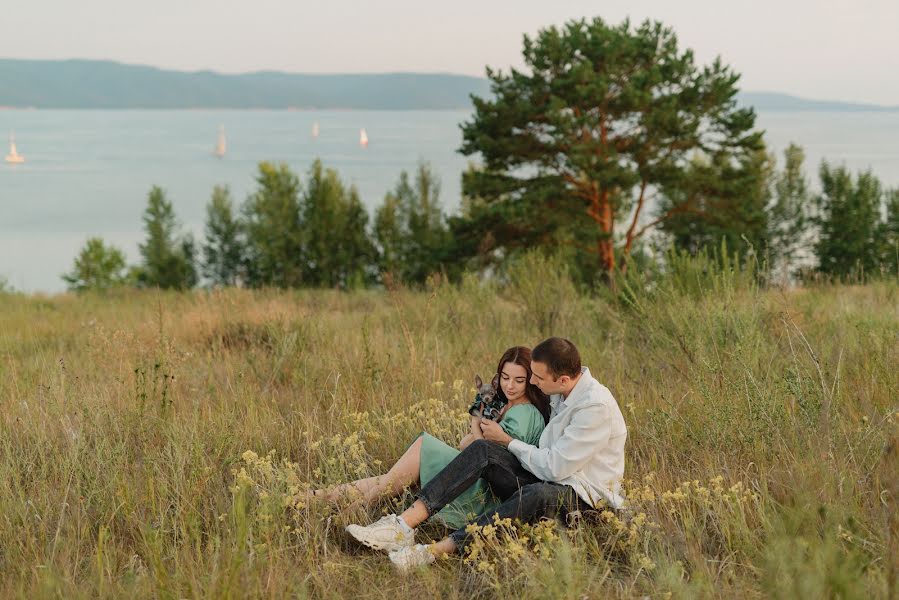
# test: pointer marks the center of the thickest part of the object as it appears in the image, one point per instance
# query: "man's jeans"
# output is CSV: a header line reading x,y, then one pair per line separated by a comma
x,y
524,496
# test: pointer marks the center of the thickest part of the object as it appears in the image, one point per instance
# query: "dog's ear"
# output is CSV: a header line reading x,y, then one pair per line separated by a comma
x,y
478,383
495,382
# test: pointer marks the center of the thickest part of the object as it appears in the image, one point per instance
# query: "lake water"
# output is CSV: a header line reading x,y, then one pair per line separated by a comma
x,y
88,172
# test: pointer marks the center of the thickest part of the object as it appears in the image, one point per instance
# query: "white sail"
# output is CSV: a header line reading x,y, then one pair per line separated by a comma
x,y
363,138
315,130
220,146
14,157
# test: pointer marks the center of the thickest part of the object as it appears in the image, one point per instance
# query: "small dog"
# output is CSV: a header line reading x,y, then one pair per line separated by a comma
x,y
487,399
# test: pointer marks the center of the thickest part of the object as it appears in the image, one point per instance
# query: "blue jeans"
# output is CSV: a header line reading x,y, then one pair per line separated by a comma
x,y
524,495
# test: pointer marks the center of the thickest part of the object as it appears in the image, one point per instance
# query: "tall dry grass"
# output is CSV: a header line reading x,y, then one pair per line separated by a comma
x,y
152,444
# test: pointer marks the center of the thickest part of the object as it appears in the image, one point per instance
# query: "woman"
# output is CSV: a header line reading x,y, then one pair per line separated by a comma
x,y
523,417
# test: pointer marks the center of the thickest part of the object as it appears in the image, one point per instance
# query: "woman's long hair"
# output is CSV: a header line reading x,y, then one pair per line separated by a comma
x,y
521,355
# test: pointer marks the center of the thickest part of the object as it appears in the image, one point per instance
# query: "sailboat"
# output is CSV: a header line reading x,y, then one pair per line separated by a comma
x,y
220,146
363,138
14,157
315,130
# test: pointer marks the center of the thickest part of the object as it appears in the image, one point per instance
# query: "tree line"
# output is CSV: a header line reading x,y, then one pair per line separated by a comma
x,y
610,144
285,234
318,234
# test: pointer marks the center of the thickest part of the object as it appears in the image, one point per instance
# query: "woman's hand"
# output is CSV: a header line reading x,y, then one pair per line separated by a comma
x,y
494,433
475,427
473,434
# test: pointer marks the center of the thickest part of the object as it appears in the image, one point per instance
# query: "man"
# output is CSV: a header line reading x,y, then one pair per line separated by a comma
x,y
578,463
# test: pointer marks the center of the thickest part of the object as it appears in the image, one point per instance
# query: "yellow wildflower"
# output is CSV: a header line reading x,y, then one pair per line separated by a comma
x,y
645,563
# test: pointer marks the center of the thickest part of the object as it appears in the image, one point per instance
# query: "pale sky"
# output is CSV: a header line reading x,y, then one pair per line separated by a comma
x,y
819,49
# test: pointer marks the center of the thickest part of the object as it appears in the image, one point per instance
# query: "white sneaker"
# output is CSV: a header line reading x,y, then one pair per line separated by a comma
x,y
410,557
388,534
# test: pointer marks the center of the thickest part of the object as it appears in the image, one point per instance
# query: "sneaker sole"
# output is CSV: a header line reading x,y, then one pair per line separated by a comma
x,y
407,568
387,547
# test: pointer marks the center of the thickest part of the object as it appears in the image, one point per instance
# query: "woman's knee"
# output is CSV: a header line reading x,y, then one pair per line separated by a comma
x,y
492,452
413,451
479,446
479,451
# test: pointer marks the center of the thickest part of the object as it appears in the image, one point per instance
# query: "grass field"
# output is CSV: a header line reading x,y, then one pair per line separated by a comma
x,y
157,444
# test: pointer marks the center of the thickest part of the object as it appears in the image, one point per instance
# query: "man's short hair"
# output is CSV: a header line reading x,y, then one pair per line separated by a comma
x,y
559,355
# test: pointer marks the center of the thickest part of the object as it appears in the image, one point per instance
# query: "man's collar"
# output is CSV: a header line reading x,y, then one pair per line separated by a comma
x,y
558,401
585,374
578,387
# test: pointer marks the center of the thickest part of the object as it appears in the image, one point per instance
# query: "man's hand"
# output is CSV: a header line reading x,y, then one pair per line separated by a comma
x,y
494,433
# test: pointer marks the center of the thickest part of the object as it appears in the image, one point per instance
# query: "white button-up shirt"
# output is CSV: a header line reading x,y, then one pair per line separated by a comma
x,y
582,445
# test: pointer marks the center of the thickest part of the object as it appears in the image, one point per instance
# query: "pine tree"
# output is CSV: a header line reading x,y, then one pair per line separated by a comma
x,y
849,224
388,234
358,252
411,229
889,235
337,250
789,214
274,244
604,120
223,249
168,256
720,202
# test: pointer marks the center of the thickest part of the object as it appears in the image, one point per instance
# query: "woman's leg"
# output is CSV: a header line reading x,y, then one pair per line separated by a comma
x,y
402,474
499,467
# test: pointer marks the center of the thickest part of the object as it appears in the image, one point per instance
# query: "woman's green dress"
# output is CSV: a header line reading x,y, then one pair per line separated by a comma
x,y
522,421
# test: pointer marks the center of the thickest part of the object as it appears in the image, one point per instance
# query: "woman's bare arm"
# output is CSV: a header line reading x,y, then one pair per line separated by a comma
x,y
474,434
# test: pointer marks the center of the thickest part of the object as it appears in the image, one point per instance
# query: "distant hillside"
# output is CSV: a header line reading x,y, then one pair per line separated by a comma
x,y
106,84
102,84
776,101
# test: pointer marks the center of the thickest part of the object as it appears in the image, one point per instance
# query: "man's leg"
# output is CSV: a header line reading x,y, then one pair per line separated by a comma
x,y
529,504
481,458
499,467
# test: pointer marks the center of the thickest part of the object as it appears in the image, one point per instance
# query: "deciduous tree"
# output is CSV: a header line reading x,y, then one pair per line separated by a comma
x,y
97,267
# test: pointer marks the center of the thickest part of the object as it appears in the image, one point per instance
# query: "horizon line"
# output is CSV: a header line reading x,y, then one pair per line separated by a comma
x,y
790,95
